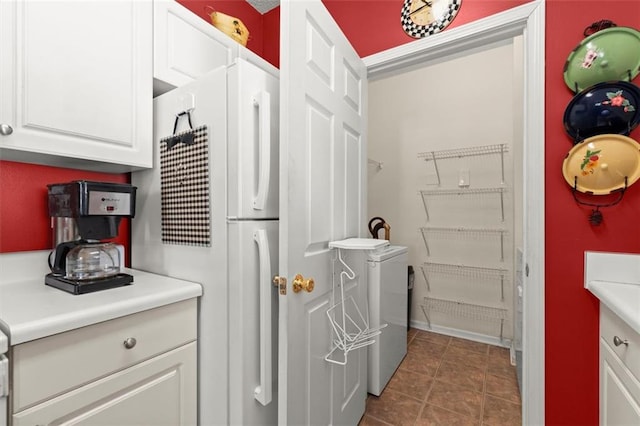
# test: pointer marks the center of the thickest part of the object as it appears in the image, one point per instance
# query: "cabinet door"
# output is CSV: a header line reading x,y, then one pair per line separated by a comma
x,y
619,391
160,391
76,83
185,46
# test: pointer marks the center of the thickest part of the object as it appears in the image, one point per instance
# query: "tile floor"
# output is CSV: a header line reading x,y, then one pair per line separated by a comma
x,y
446,381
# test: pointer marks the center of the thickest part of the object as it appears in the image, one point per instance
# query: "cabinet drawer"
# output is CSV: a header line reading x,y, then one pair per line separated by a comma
x,y
610,326
159,391
50,366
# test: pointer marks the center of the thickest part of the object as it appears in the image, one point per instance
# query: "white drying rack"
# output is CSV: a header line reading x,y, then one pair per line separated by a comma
x,y
350,326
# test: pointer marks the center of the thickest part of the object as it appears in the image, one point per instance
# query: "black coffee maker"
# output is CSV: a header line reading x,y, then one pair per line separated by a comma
x,y
83,213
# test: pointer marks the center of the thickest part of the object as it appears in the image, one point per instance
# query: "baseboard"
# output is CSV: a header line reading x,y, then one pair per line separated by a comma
x,y
462,334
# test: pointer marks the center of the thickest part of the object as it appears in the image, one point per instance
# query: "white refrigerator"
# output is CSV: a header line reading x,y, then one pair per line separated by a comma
x,y
208,212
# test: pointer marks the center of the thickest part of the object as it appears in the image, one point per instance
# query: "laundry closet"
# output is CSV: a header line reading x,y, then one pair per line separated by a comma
x,y
445,171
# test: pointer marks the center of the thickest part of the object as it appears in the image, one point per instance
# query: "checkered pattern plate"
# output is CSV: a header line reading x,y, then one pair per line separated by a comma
x,y
444,14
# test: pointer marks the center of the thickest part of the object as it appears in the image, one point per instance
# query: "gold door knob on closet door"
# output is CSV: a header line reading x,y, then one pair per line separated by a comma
x,y
300,283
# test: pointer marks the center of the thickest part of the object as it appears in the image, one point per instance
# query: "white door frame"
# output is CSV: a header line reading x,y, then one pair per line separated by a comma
x,y
526,20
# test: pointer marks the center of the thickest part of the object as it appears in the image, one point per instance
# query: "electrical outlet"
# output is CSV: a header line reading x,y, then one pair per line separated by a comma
x,y
463,178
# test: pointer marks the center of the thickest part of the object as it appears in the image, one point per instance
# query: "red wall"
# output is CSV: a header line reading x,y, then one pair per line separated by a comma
x,y
374,25
24,214
571,312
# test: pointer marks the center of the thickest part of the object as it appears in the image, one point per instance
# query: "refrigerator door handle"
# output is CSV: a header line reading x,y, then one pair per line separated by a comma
x,y
262,101
263,392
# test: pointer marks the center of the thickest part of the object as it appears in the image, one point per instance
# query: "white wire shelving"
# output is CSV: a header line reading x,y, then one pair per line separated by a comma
x,y
477,210
472,151
444,232
470,272
462,309
425,193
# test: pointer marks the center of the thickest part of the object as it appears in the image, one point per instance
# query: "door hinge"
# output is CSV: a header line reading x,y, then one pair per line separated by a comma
x,y
281,283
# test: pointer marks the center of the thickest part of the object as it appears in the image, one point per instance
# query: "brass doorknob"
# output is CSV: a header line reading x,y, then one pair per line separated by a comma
x,y
299,283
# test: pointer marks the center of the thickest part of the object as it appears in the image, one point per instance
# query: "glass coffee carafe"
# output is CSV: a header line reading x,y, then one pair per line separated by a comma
x,y
91,261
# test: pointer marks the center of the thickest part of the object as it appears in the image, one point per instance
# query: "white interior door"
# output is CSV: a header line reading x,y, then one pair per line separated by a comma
x,y
322,163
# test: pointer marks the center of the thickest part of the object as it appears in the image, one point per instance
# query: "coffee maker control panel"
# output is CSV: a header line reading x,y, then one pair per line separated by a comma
x,y
109,203
91,209
86,198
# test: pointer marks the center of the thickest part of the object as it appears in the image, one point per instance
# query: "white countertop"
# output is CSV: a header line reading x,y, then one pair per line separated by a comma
x,y
30,310
614,278
621,298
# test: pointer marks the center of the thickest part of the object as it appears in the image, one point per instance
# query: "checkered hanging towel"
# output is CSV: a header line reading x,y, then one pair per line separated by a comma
x,y
184,181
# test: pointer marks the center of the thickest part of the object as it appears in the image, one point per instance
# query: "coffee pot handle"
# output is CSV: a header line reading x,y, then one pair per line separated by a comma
x,y
58,266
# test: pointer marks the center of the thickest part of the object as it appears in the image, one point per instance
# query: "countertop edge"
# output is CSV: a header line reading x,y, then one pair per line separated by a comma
x,y
33,330
608,294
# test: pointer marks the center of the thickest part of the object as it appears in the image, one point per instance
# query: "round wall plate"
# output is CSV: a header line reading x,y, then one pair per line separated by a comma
x,y
611,54
600,164
611,107
421,18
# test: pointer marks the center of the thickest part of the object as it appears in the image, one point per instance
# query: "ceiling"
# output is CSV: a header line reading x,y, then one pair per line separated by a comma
x,y
263,6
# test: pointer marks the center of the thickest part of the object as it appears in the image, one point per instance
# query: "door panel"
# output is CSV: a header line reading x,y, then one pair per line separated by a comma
x,y
319,372
322,158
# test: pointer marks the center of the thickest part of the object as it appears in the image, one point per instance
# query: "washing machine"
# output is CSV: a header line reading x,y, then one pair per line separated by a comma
x,y
387,295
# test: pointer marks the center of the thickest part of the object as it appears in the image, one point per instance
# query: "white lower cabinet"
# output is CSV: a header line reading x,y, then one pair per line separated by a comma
x,y
619,371
160,391
138,369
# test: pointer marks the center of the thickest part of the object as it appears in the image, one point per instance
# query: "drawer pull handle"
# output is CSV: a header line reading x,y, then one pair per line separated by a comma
x,y
5,129
130,342
618,341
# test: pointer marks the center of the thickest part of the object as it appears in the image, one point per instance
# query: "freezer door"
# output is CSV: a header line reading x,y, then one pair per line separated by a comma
x,y
253,166
253,322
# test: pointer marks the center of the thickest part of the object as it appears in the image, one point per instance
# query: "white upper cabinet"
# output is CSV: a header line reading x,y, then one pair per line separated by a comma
x,y
76,83
185,46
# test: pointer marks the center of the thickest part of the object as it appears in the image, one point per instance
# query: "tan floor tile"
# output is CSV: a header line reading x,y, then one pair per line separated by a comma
x,y
500,362
420,362
394,408
447,370
503,387
410,383
436,416
467,376
500,352
469,345
455,398
411,333
371,421
499,412
440,339
464,357
424,346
